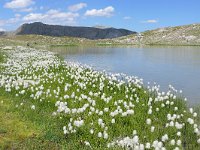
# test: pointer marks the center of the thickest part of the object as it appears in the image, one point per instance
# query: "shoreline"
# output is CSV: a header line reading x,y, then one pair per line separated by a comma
x,y
48,41
63,100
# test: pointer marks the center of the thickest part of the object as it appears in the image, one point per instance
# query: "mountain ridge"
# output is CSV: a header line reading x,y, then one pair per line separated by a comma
x,y
71,31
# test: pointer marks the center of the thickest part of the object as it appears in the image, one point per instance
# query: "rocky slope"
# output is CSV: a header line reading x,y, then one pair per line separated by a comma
x,y
180,35
81,32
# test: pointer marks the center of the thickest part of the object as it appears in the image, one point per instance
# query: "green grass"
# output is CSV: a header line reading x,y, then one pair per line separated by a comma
x,y
13,127
25,128
2,57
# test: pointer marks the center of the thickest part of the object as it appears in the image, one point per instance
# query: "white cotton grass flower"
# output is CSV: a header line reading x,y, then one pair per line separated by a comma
x,y
179,142
176,148
105,135
171,124
91,131
175,108
191,110
106,109
78,123
134,132
157,109
172,142
87,143
113,121
198,141
178,133
162,105
157,144
148,121
165,137
33,107
190,121
100,135
100,121
152,128
150,111
194,114
148,146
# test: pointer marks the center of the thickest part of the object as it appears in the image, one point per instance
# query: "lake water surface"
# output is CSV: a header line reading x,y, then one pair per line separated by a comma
x,y
178,66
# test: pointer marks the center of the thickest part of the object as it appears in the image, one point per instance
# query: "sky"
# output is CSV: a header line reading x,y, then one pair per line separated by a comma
x,y
135,15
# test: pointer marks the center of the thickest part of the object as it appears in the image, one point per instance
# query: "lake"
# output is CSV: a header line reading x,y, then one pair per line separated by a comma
x,y
178,66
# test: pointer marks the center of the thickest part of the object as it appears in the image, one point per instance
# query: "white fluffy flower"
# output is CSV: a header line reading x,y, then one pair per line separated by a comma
x,y
33,107
148,146
78,123
179,142
148,121
113,120
152,128
99,134
198,141
172,142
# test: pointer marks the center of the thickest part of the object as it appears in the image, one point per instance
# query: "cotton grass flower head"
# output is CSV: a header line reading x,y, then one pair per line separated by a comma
x,y
33,107
148,121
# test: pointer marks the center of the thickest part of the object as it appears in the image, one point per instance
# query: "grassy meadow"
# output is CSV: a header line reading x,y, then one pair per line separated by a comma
x,y
47,103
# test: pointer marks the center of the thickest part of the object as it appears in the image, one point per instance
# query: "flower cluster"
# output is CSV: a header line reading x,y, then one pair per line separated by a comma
x,y
104,109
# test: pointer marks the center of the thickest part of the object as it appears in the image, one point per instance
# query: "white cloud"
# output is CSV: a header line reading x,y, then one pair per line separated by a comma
x,y
127,18
52,17
16,19
34,17
1,29
150,21
17,15
12,20
2,22
77,7
18,4
30,9
106,12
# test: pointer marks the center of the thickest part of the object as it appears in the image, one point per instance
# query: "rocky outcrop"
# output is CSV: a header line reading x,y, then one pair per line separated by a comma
x,y
80,32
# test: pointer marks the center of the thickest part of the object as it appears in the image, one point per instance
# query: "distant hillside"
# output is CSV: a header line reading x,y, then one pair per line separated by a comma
x,y
80,32
2,33
180,35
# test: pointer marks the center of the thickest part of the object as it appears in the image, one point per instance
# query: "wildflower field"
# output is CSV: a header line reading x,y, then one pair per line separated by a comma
x,y
72,106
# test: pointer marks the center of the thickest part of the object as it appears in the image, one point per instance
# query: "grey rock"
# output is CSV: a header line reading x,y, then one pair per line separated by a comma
x,y
80,32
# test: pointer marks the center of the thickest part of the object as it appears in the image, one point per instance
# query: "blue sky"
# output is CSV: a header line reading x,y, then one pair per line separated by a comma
x,y
136,15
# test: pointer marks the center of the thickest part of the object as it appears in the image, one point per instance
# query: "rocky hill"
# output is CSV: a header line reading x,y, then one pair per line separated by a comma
x,y
80,32
179,35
